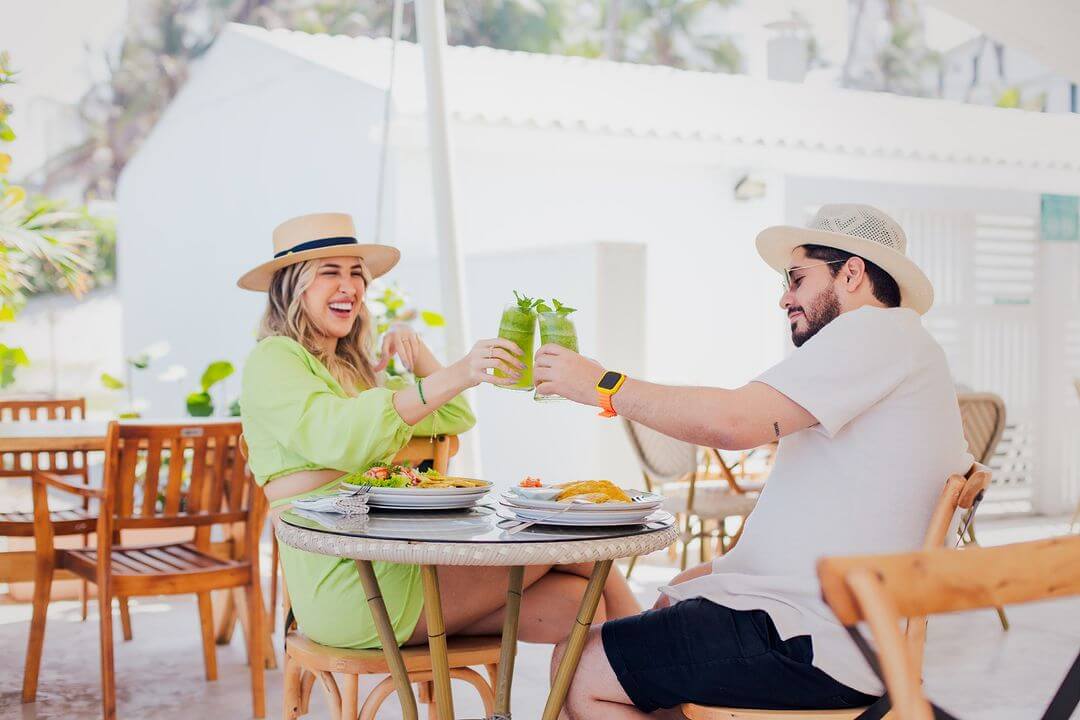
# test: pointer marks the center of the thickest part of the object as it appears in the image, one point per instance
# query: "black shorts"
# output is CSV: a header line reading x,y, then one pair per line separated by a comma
x,y
696,651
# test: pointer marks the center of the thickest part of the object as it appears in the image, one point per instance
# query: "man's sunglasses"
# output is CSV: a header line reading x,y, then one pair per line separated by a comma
x,y
786,282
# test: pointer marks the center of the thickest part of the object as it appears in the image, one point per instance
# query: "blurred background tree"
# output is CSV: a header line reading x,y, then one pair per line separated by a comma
x,y
163,37
890,55
41,242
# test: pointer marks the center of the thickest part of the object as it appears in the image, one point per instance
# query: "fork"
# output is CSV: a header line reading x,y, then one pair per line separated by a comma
x,y
355,490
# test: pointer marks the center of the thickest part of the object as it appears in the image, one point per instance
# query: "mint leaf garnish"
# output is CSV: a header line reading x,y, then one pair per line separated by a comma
x,y
563,310
524,302
543,307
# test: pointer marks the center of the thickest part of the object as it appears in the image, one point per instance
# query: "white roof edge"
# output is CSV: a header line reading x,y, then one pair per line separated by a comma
x,y
519,89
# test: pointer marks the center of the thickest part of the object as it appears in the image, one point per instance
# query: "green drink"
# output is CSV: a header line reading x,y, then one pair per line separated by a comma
x,y
556,328
518,325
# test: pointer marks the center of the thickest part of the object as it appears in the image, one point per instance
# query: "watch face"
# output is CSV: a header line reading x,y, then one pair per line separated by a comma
x,y
610,380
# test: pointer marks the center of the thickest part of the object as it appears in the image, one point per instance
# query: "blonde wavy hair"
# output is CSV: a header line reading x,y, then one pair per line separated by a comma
x,y
350,364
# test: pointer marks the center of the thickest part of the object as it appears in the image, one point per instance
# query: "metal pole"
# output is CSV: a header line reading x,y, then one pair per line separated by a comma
x,y
431,27
431,31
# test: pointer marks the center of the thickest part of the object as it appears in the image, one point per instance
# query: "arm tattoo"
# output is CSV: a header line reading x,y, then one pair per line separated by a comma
x,y
776,429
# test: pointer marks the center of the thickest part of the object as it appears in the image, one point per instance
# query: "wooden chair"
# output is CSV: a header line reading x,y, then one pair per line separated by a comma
x,y
18,566
307,661
983,416
696,493
206,484
959,493
881,589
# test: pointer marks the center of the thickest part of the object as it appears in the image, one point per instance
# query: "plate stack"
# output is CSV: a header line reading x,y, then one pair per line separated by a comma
x,y
410,498
520,504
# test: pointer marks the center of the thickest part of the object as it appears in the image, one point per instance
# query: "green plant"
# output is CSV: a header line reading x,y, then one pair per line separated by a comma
x,y
140,361
35,234
389,305
563,310
200,403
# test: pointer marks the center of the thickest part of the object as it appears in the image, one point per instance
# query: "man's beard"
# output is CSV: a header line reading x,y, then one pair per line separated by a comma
x,y
823,310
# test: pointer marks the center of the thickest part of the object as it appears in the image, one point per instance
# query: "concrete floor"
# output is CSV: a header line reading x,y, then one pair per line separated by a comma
x,y
973,669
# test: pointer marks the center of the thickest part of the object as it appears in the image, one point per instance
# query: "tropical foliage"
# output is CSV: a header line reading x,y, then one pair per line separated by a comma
x,y
38,239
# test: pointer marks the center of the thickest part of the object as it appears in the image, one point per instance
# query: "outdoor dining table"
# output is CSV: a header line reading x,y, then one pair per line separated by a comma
x,y
35,436
477,536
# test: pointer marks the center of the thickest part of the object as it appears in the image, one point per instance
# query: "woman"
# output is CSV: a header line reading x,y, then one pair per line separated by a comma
x,y
315,408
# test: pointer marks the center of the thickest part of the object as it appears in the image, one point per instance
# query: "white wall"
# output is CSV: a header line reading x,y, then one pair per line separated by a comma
x,y
711,313
235,155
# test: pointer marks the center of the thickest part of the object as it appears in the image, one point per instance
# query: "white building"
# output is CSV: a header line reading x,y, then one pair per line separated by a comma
x,y
556,154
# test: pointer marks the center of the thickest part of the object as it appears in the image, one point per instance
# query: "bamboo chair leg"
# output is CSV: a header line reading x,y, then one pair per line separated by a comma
x,y
43,578
425,695
256,646
630,567
206,627
333,695
375,698
125,618
349,694
108,677
307,684
273,581
291,703
971,540
482,688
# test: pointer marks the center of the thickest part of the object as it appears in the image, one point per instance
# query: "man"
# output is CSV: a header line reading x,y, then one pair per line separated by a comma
x,y
869,429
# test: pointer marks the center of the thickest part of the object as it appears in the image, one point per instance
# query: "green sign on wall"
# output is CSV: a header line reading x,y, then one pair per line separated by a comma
x,y
1061,218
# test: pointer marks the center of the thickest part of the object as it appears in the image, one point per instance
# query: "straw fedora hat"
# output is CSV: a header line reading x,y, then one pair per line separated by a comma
x,y
858,229
320,235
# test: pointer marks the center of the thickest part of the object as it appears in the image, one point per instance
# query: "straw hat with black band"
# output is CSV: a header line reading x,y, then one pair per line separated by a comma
x,y
320,235
860,230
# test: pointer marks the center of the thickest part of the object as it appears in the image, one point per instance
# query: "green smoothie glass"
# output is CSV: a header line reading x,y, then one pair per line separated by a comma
x,y
556,328
518,325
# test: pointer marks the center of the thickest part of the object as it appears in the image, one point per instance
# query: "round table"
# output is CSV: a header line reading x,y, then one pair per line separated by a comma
x,y
477,536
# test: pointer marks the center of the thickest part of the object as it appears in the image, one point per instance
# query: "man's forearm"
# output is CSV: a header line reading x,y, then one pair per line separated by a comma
x,y
699,415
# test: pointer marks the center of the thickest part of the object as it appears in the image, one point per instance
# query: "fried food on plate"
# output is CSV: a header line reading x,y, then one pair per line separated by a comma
x,y
596,491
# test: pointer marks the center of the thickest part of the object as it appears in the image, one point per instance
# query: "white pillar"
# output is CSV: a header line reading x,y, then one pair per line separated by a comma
x,y
431,30
1058,480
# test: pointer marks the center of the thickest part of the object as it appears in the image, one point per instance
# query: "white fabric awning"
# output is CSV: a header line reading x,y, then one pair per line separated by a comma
x,y
1045,29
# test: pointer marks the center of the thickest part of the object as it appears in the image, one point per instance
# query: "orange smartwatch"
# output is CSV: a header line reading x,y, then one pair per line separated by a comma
x,y
609,384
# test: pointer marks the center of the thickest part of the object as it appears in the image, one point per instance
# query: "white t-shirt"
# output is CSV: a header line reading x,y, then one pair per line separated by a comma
x,y
864,480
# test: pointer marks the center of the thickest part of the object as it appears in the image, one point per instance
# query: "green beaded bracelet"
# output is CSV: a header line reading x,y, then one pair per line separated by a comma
x,y
420,389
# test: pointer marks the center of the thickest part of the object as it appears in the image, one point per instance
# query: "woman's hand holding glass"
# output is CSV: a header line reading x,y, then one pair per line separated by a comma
x,y
488,355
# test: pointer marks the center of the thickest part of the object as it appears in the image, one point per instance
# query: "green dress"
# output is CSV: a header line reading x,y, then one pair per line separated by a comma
x,y
297,417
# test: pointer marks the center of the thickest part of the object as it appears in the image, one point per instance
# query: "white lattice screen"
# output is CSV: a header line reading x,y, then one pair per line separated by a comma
x,y
984,269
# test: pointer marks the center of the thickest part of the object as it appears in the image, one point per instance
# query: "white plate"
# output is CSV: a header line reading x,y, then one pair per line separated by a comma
x,y
649,501
593,520
424,503
425,492
628,515
448,505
